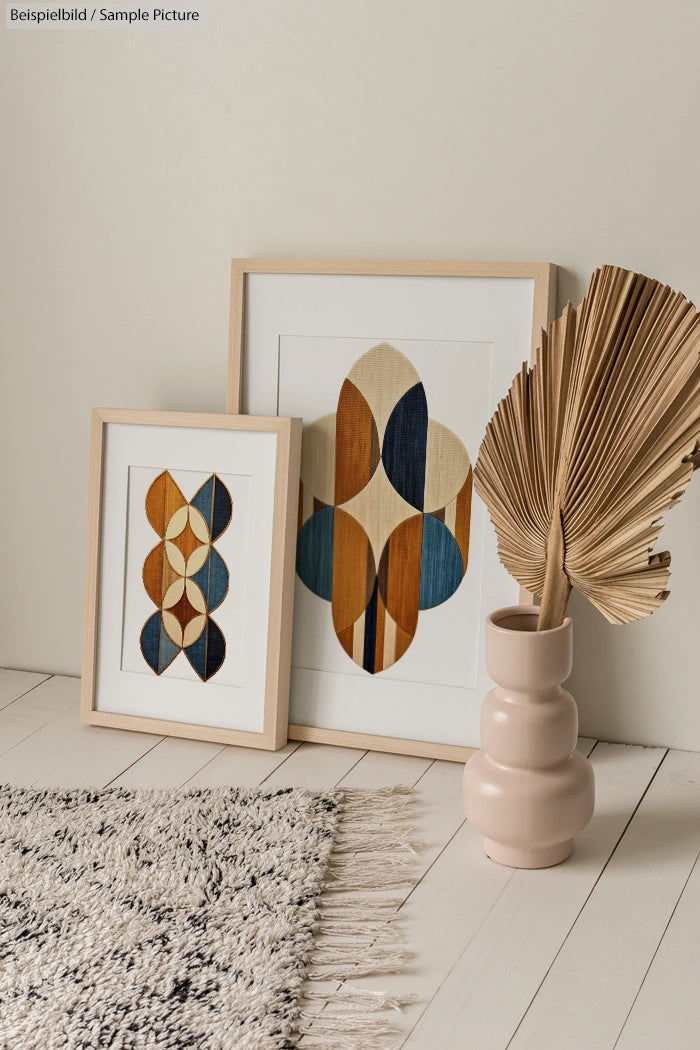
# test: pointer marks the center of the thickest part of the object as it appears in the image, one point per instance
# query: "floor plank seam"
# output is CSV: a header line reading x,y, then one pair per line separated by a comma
x,y
24,740
339,782
433,863
426,770
429,1001
21,696
284,761
353,767
588,897
207,763
626,827
135,762
302,744
656,951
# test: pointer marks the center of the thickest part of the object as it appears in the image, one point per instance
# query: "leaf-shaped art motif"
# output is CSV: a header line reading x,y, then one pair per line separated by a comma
x,y
593,444
185,576
384,509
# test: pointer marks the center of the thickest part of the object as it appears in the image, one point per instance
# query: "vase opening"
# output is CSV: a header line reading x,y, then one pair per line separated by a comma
x,y
517,622
522,619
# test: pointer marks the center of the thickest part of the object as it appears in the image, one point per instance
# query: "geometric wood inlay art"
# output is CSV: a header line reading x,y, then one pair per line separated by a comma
x,y
185,576
384,509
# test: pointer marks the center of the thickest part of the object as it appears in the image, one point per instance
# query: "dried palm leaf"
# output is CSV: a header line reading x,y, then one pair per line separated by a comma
x,y
593,444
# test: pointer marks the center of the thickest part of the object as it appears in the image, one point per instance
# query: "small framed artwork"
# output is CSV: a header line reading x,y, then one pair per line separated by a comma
x,y
189,582
396,368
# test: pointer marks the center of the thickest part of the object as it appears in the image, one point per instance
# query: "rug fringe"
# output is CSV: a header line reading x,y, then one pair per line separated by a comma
x,y
348,996
357,936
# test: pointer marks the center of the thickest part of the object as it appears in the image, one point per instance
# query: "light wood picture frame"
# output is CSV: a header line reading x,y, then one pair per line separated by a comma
x,y
298,330
189,574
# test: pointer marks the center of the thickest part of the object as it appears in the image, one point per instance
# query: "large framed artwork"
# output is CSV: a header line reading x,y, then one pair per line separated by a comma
x,y
396,368
189,582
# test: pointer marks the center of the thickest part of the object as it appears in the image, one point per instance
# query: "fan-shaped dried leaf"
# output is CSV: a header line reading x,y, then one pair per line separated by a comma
x,y
593,444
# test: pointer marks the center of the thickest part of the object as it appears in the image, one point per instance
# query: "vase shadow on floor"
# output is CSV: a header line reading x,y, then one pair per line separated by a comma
x,y
656,836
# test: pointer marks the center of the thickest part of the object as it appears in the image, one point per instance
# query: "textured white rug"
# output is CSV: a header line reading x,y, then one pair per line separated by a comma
x,y
190,919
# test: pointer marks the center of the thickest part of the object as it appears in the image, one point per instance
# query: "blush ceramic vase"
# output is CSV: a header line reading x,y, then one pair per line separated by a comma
x,y
528,791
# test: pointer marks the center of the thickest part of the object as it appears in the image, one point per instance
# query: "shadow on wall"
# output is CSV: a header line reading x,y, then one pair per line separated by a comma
x,y
597,677
619,684
571,287
638,683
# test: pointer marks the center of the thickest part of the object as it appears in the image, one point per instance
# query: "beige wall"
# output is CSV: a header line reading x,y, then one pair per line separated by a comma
x,y
138,161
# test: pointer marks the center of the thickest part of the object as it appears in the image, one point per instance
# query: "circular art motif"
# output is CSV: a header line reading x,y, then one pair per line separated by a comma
x,y
385,509
185,576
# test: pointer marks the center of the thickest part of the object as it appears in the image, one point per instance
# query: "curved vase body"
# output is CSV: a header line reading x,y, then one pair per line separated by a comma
x,y
528,791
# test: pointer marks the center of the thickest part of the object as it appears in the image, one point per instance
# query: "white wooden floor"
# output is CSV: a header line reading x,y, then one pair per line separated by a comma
x,y
600,952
